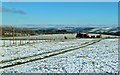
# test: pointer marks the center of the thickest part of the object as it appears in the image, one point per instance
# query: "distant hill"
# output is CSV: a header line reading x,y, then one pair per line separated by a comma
x,y
9,31
104,30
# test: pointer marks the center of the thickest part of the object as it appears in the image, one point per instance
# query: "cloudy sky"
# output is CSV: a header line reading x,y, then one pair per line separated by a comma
x,y
72,13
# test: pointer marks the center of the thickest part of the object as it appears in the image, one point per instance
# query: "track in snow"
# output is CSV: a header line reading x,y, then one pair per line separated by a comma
x,y
23,60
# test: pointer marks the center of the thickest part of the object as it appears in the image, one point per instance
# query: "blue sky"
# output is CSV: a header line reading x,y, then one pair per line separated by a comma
x,y
72,13
60,0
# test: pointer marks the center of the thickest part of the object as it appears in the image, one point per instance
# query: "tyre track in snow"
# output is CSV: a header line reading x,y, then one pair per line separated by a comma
x,y
5,61
23,60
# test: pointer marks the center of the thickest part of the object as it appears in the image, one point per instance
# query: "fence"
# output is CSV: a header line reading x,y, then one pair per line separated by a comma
x,y
11,42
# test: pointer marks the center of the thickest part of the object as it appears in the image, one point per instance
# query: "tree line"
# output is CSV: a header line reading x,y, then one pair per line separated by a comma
x,y
8,31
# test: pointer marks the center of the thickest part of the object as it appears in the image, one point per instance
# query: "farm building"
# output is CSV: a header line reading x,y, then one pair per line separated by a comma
x,y
86,35
82,35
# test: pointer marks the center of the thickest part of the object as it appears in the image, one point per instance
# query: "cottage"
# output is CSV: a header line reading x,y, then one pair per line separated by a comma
x,y
85,35
81,35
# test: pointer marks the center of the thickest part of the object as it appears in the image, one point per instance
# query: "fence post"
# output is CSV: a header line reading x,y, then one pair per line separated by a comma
x,y
10,42
20,42
3,42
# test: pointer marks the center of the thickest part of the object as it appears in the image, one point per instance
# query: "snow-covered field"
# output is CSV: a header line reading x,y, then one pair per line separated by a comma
x,y
99,57
12,52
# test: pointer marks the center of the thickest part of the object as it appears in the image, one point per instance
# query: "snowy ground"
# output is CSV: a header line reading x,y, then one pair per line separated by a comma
x,y
100,57
12,52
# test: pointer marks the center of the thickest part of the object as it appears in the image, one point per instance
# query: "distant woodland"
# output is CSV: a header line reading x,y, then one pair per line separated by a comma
x,y
10,31
14,31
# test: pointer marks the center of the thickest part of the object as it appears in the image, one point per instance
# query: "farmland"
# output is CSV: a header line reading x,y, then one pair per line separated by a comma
x,y
78,36
61,56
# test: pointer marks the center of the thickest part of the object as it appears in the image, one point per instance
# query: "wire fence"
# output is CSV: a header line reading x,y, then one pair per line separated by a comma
x,y
10,42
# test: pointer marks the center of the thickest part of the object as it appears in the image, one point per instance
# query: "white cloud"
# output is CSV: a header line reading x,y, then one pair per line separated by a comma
x,y
4,9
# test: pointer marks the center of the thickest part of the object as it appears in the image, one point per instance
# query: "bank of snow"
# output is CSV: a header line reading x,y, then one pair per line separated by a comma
x,y
97,58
